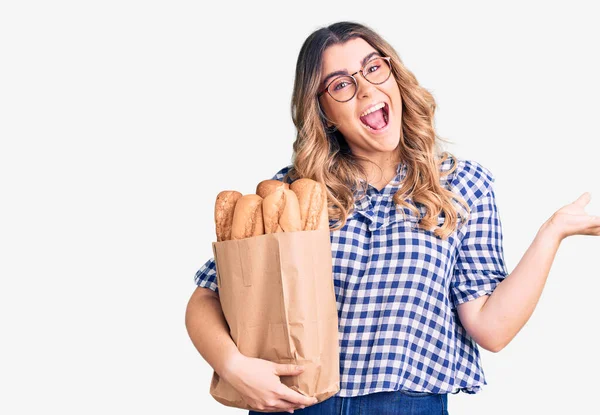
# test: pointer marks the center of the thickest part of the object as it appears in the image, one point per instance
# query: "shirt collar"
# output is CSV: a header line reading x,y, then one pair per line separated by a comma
x,y
377,206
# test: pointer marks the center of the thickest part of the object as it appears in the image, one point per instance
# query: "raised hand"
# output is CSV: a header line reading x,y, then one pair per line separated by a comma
x,y
572,219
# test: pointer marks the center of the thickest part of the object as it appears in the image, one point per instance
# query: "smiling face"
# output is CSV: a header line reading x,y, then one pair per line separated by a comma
x,y
378,146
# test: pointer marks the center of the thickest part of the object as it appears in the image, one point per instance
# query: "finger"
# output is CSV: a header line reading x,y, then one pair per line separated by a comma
x,y
584,199
284,405
295,397
282,369
594,231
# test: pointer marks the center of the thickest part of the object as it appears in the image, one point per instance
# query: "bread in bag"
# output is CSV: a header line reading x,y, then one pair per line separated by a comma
x,y
224,208
266,187
281,211
312,198
248,217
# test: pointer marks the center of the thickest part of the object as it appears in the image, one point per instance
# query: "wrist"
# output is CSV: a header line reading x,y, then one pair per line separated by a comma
x,y
231,363
549,230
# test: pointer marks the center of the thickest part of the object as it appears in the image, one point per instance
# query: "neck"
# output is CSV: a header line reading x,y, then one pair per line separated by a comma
x,y
381,170
380,173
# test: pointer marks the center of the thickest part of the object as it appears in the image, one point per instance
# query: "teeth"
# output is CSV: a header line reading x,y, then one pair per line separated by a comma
x,y
373,108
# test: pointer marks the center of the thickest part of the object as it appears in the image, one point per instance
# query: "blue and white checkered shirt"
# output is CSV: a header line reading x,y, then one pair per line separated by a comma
x,y
397,287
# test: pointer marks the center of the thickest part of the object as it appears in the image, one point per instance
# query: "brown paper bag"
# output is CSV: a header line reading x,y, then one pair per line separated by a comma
x,y
276,292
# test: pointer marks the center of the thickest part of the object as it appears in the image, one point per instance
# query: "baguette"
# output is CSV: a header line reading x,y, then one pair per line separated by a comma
x,y
290,220
266,187
281,211
248,217
312,198
224,208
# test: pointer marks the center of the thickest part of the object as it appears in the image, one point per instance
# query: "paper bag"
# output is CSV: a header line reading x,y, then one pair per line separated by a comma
x,y
276,292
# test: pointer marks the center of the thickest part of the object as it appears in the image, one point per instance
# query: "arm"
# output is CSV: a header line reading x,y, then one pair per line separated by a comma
x,y
494,320
256,380
209,332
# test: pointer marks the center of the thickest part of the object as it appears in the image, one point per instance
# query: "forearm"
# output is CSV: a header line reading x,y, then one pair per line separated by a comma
x,y
511,304
209,332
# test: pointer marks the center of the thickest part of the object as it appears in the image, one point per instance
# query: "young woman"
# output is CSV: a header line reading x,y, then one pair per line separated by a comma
x,y
419,272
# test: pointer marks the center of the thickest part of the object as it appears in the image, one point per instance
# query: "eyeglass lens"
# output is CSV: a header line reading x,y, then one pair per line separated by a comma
x,y
376,71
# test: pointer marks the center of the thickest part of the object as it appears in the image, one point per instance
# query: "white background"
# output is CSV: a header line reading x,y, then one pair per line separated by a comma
x,y
120,123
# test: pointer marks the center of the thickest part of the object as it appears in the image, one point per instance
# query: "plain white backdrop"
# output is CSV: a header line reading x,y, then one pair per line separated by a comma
x,y
120,121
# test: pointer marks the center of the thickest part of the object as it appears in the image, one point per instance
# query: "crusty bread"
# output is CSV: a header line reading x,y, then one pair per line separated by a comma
x,y
290,220
281,212
248,217
266,187
312,198
224,208
324,215
284,208
272,207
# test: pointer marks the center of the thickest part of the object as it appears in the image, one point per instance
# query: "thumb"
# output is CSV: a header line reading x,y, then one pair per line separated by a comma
x,y
584,199
282,369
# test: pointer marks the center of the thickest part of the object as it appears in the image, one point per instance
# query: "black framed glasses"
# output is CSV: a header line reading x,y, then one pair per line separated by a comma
x,y
343,88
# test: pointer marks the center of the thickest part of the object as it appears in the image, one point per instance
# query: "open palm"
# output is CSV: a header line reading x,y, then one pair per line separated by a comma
x,y
572,219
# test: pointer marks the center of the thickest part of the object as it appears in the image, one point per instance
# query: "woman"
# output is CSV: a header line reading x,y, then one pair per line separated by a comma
x,y
419,281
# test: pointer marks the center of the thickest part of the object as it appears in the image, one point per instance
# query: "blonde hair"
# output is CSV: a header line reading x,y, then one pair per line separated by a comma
x,y
324,156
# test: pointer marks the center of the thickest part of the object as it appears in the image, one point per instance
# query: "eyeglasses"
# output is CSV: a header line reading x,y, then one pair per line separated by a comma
x,y
344,88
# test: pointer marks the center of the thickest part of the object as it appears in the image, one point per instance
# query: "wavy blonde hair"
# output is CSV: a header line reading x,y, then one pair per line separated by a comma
x,y
324,156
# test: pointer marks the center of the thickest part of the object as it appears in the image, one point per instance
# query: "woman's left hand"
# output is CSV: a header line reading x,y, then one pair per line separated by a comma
x,y
572,219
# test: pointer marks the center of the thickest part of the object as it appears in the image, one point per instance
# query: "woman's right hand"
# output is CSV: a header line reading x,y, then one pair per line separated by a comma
x,y
257,380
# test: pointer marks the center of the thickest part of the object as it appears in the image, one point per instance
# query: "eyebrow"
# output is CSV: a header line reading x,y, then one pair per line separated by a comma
x,y
345,72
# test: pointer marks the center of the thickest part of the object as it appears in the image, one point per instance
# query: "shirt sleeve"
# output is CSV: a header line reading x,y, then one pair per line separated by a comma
x,y
280,175
480,264
206,276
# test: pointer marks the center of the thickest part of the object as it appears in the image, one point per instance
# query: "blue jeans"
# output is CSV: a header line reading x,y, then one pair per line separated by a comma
x,y
379,403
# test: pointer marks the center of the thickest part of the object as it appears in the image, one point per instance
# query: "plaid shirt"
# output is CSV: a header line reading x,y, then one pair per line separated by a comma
x,y
397,287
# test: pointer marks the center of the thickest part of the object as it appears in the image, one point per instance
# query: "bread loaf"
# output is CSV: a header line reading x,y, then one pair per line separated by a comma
x,y
276,207
248,217
290,220
312,198
266,187
281,212
224,208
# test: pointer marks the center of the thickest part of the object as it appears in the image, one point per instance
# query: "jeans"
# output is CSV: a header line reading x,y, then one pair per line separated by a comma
x,y
379,403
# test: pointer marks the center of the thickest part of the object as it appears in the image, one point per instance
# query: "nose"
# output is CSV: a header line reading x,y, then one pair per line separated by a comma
x,y
362,85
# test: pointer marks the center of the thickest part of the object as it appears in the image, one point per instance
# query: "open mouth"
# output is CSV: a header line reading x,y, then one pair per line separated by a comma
x,y
377,119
